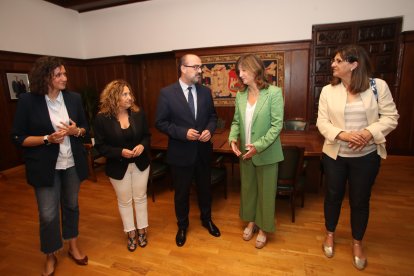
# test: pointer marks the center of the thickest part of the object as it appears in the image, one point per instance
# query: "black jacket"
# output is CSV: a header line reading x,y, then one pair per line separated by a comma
x,y
109,142
174,118
32,119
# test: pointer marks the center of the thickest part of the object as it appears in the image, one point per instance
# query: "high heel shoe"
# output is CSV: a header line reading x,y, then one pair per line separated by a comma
x,y
83,261
54,267
142,238
249,232
132,241
359,263
328,250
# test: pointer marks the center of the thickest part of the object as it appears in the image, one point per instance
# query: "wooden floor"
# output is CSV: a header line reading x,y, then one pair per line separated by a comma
x,y
294,249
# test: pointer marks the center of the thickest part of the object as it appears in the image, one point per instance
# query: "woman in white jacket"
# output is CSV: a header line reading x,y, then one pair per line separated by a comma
x,y
355,115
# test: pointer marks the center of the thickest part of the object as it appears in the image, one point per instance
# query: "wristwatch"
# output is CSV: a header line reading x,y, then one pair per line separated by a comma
x,y
45,140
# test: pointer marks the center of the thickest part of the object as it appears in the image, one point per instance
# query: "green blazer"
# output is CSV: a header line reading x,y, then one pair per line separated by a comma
x,y
267,124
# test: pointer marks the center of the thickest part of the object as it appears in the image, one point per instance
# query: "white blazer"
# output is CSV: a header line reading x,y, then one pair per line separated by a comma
x,y
382,116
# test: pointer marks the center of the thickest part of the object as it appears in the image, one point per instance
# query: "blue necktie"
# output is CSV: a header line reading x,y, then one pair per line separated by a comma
x,y
191,101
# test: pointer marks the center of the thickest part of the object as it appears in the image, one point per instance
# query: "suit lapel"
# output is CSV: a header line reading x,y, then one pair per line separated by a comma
x,y
200,100
44,113
264,94
242,106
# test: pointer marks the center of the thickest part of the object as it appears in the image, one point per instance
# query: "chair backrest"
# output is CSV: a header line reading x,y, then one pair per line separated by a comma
x,y
221,123
291,167
295,124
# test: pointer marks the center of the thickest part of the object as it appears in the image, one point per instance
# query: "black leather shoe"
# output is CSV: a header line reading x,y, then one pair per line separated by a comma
x,y
180,237
212,228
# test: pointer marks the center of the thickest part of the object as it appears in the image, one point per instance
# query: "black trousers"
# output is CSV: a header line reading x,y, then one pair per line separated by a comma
x,y
360,173
200,173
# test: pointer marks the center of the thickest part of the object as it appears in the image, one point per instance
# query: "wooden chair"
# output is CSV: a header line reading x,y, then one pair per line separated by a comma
x,y
290,178
295,124
158,170
95,159
219,174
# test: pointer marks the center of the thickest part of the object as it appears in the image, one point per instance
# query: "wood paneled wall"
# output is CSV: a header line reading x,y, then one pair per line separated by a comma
x,y
402,139
149,73
296,75
11,62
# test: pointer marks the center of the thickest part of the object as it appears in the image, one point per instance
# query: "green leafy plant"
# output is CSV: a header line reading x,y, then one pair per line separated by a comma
x,y
90,101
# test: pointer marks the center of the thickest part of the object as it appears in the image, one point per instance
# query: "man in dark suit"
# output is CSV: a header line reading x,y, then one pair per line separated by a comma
x,y
187,115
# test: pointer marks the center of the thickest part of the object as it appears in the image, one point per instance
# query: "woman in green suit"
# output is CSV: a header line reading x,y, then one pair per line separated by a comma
x,y
257,122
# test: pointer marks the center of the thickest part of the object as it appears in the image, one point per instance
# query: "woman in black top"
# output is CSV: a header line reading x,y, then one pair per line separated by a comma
x,y
122,136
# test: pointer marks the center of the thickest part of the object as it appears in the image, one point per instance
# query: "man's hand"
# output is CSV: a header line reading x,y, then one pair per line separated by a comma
x,y
192,135
205,136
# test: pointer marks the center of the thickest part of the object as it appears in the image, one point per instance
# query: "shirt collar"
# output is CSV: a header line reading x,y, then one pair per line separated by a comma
x,y
59,98
185,86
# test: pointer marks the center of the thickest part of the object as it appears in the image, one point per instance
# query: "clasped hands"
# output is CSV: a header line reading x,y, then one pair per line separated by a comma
x,y
357,140
251,150
194,135
64,129
126,153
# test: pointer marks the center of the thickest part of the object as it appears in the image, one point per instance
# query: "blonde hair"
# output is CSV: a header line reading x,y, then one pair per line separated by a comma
x,y
109,99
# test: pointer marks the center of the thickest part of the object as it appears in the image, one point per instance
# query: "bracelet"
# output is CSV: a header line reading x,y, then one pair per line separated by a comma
x,y
79,132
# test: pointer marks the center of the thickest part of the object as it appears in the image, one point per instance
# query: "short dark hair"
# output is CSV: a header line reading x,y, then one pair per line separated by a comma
x,y
41,74
181,62
361,74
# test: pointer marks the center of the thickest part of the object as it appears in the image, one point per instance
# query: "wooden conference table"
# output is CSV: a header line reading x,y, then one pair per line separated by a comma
x,y
311,140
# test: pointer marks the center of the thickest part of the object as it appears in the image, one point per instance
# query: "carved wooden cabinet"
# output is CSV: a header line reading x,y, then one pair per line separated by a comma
x,y
379,37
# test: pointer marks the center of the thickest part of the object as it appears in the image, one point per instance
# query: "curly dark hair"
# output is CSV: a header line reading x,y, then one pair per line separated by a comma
x,y
255,65
41,74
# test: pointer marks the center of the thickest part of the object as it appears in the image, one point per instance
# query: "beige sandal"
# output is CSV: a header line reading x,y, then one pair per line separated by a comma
x,y
249,232
261,241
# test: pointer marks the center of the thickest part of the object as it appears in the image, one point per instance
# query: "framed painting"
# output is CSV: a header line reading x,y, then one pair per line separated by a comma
x,y
219,74
18,84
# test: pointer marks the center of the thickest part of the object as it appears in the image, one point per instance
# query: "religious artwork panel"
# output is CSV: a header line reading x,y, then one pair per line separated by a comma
x,y
219,74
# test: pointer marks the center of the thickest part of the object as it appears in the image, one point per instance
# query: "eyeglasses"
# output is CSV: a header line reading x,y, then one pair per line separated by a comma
x,y
195,67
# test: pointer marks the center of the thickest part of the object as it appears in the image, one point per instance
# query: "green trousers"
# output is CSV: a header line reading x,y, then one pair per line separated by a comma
x,y
258,194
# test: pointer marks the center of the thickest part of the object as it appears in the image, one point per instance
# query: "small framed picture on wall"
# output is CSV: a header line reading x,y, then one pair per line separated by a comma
x,y
18,84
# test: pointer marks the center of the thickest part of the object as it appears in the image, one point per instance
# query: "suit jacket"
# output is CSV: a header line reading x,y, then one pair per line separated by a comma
x,y
382,116
174,118
32,119
109,141
266,126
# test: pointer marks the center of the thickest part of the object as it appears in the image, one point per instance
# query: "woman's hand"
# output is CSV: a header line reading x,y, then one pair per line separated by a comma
x,y
126,153
70,129
138,150
251,150
235,149
366,136
57,137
